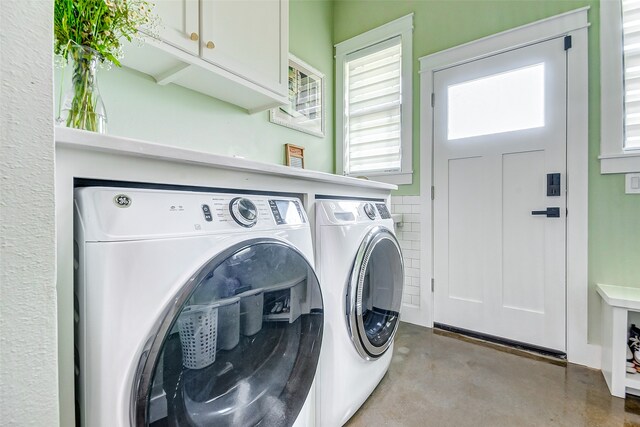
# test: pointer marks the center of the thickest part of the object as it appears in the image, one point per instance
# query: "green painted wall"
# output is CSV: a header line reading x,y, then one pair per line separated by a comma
x,y
614,218
139,108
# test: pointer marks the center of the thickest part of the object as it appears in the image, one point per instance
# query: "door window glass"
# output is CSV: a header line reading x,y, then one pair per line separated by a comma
x,y
505,102
244,347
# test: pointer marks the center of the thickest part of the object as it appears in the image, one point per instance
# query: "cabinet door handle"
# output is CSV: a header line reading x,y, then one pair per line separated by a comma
x,y
210,45
194,37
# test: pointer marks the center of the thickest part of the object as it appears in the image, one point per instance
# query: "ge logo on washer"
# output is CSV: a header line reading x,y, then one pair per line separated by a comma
x,y
122,201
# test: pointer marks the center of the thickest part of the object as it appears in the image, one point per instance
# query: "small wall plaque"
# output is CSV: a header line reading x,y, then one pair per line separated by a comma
x,y
294,156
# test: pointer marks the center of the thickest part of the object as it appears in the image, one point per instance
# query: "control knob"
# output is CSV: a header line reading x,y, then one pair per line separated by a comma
x,y
370,211
243,211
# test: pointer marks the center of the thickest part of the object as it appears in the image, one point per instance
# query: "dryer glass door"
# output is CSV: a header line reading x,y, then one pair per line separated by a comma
x,y
375,293
239,344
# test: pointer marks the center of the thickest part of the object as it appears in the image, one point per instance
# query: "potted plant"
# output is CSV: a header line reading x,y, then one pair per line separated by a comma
x,y
87,33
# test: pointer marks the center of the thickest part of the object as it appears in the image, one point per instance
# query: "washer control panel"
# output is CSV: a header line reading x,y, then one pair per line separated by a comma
x,y
162,213
206,211
286,211
243,211
254,210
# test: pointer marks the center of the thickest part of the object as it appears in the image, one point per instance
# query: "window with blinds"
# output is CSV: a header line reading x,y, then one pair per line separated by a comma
x,y
631,37
373,108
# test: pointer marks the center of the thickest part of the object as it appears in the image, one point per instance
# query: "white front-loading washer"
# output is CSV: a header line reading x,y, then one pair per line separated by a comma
x,y
361,271
194,309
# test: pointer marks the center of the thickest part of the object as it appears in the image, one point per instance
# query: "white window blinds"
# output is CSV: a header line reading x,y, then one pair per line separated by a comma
x,y
631,34
372,110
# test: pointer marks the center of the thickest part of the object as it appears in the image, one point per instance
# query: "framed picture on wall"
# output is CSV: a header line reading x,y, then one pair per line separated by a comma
x,y
305,111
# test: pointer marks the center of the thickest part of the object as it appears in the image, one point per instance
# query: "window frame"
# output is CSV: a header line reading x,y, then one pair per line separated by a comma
x,y
402,27
614,158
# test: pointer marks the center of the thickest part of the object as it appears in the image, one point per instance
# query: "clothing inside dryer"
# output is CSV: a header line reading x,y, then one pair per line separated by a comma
x,y
244,349
382,292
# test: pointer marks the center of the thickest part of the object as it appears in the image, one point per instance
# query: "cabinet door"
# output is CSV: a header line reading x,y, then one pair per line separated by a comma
x,y
178,24
249,38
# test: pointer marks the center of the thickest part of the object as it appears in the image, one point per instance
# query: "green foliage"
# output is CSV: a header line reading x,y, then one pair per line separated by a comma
x,y
100,25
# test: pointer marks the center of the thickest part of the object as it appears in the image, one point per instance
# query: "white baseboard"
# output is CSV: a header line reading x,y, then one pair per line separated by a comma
x,y
412,314
590,355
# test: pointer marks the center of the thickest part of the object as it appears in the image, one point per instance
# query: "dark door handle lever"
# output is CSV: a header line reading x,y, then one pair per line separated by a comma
x,y
549,213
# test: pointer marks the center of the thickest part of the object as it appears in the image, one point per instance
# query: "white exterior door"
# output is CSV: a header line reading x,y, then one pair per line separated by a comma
x,y
499,130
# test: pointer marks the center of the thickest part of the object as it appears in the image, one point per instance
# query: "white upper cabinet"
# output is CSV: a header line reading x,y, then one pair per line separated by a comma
x,y
233,50
180,26
249,38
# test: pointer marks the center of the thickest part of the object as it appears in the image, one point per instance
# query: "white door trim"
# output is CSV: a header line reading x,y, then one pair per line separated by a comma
x,y
575,24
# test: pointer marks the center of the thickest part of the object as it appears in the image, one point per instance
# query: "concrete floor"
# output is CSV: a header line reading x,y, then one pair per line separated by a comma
x,y
437,380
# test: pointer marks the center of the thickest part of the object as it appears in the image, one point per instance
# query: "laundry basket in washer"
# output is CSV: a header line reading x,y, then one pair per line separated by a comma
x,y
228,323
204,329
251,303
198,326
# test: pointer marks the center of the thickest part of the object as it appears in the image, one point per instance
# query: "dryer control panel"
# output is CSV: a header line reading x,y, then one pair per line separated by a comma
x,y
384,212
352,211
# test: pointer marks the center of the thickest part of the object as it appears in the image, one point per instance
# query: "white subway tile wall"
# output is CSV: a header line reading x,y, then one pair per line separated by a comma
x,y
408,235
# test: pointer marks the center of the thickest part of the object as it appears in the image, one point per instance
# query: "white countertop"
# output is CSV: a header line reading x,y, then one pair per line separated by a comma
x,y
83,140
620,296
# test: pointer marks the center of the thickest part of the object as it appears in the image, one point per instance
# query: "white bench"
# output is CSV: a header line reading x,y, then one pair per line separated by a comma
x,y
617,301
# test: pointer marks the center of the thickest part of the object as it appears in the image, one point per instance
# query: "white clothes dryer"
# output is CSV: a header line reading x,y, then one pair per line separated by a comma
x,y
361,271
194,309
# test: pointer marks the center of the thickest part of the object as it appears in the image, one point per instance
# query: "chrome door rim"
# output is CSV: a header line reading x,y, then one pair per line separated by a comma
x,y
354,294
143,379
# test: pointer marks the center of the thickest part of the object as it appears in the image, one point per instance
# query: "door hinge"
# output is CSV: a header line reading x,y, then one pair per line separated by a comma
x,y
433,100
433,192
567,42
433,284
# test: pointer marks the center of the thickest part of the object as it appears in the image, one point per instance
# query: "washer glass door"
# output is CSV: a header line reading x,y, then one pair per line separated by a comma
x,y
375,292
238,346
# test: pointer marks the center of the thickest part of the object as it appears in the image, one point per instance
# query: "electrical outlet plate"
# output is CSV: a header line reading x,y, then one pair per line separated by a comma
x,y
632,183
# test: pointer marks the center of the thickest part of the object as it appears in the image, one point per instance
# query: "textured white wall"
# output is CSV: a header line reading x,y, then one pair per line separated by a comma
x,y
28,349
409,238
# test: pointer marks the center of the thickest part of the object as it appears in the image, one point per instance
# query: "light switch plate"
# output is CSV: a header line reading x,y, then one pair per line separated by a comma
x,y
632,183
